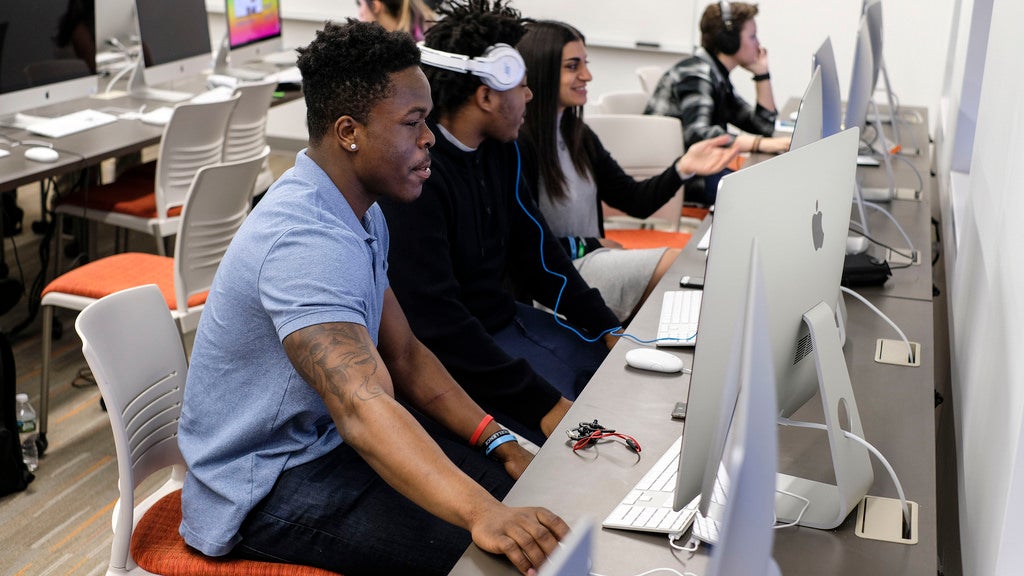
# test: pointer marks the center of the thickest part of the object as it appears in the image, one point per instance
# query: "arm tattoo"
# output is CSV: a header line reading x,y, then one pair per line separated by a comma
x,y
334,358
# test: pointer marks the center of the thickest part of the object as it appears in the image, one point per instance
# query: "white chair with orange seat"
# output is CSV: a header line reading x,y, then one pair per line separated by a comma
x,y
148,198
134,350
217,204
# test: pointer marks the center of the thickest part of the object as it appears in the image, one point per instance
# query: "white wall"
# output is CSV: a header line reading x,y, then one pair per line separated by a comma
x,y
986,282
915,39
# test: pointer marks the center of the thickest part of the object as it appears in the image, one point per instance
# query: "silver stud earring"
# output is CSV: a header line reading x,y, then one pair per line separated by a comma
x,y
352,147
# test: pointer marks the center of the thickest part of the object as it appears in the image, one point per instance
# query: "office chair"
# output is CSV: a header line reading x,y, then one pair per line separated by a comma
x,y
644,146
148,198
649,77
247,128
135,352
632,102
216,205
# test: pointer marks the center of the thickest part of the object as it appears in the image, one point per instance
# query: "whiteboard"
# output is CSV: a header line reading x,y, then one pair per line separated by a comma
x,y
666,25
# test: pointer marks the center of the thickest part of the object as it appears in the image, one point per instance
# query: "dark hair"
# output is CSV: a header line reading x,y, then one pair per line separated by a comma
x,y
467,27
346,71
541,48
712,25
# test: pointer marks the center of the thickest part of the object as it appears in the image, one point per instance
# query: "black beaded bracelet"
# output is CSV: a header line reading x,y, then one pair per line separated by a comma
x,y
762,77
493,437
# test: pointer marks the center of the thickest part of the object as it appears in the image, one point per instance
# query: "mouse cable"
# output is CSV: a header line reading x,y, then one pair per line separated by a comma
x,y
873,308
874,451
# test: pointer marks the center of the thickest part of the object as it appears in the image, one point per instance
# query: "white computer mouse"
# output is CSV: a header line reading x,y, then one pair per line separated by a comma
x,y
41,154
656,360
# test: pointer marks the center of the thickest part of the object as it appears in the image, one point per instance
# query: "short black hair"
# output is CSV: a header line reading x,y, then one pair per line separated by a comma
x,y
467,27
346,71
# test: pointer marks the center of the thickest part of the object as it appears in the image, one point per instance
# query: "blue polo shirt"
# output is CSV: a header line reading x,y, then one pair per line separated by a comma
x,y
301,258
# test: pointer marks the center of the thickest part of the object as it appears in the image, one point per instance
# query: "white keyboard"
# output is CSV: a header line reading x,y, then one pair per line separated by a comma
x,y
706,528
679,312
648,506
70,123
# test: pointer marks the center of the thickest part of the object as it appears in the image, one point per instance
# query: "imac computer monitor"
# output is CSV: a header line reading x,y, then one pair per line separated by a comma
x,y
808,126
40,61
747,444
831,100
175,39
254,28
873,13
859,97
117,28
798,207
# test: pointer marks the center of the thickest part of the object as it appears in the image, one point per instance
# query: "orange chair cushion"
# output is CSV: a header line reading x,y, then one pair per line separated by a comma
x,y
159,548
639,238
131,194
695,212
118,272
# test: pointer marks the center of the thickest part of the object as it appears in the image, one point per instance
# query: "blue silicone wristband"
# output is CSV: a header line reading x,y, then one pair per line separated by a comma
x,y
498,442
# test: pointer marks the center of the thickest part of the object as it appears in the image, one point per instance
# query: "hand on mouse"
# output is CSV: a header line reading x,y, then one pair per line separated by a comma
x,y
527,536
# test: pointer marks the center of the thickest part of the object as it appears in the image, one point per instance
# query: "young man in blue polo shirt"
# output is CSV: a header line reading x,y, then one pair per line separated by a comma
x,y
298,450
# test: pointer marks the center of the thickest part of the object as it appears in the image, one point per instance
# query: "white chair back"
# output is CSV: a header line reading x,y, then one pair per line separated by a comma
x,y
247,128
644,146
632,102
193,138
136,355
216,207
649,77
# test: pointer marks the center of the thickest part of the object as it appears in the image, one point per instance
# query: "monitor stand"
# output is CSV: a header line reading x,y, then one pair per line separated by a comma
x,y
891,192
137,86
829,504
222,64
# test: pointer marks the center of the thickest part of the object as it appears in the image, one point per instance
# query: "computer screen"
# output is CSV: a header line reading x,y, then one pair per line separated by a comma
x,y
831,100
873,13
859,96
748,449
808,126
798,207
47,52
254,28
175,38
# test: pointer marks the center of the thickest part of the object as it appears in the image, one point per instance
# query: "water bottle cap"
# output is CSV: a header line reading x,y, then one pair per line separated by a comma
x,y
21,397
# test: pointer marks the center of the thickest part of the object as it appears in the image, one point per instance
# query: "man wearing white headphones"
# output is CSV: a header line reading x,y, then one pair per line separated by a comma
x,y
697,89
475,229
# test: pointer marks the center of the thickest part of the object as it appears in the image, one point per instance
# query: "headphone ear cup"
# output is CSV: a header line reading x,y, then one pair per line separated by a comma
x,y
501,67
728,42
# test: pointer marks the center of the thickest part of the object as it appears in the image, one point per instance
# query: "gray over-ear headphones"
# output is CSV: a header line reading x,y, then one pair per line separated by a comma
x,y
728,40
501,67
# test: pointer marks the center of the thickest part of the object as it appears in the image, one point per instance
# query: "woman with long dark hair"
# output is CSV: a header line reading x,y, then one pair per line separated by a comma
x,y
571,172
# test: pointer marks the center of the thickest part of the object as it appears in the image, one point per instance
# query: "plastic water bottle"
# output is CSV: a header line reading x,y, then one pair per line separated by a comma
x,y
27,432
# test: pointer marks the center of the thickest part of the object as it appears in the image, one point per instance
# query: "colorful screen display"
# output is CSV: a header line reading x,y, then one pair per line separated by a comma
x,y
252,21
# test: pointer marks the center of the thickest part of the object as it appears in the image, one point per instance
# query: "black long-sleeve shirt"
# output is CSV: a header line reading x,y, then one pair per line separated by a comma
x,y
638,198
452,251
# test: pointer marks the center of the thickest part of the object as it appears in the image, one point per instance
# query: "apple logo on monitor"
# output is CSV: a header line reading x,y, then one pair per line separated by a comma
x,y
817,232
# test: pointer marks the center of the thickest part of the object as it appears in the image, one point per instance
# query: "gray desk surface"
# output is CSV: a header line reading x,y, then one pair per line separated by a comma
x,y
92,146
897,411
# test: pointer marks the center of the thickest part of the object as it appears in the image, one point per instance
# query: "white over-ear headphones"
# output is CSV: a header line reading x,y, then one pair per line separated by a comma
x,y
501,67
